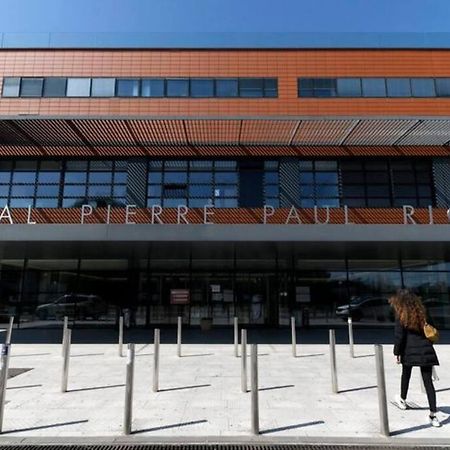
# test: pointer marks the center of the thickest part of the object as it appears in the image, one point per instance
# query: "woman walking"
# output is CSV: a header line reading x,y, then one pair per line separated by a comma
x,y
412,348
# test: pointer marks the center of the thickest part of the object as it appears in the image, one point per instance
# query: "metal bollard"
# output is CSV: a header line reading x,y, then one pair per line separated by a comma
x,y
236,337
156,361
65,327
254,387
350,337
294,337
381,382
244,360
334,381
128,414
6,348
179,337
121,336
65,373
9,331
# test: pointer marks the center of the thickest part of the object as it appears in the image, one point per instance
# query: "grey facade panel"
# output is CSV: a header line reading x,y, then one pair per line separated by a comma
x,y
289,188
137,183
441,179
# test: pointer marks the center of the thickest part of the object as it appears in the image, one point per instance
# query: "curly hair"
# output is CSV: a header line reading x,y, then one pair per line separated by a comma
x,y
409,309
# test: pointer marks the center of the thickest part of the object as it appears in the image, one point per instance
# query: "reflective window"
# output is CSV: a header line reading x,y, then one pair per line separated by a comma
x,y
349,87
227,87
178,88
202,87
374,87
443,87
317,87
55,87
103,87
31,87
11,87
423,87
152,87
251,87
398,87
78,87
127,87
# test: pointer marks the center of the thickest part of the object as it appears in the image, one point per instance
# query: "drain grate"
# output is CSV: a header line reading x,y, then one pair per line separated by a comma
x,y
219,447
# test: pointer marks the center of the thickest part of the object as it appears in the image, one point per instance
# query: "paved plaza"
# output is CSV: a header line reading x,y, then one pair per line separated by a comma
x,y
200,393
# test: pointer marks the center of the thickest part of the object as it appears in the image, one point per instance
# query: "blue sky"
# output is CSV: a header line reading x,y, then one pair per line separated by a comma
x,y
224,15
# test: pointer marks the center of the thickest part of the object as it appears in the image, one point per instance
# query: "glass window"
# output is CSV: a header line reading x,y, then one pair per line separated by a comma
x,y
24,177
103,87
100,177
398,87
443,87
46,203
200,177
306,87
227,87
270,87
200,190
325,87
47,191
251,87
75,177
11,87
99,190
127,88
49,177
55,87
226,177
178,88
423,87
31,87
349,87
152,87
202,87
175,177
22,190
74,191
78,87
374,87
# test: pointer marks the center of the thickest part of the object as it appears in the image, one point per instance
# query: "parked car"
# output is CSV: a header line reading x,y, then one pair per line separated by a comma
x,y
77,306
366,307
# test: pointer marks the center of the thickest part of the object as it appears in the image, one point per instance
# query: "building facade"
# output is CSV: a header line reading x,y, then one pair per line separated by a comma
x,y
215,183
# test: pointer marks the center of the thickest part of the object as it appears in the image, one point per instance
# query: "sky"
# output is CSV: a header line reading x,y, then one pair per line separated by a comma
x,y
25,16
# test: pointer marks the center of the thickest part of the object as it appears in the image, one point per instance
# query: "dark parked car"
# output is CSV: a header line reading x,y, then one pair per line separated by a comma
x,y
366,307
77,306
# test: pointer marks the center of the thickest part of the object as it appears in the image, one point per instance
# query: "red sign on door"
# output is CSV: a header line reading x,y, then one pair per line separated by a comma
x,y
179,296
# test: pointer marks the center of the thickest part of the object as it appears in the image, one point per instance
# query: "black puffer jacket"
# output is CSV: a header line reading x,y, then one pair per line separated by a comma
x,y
413,347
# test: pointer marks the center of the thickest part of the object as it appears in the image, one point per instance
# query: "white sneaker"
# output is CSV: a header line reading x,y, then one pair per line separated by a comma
x,y
434,421
400,402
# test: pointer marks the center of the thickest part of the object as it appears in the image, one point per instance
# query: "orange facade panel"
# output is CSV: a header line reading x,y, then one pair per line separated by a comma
x,y
231,216
286,65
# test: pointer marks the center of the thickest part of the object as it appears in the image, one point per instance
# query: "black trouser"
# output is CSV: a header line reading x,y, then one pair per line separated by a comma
x,y
427,381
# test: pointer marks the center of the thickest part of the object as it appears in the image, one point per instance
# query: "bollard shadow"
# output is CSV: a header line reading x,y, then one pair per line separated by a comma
x,y
87,354
311,355
292,427
166,427
364,356
363,388
197,354
184,387
418,427
42,427
272,388
25,387
29,354
443,389
95,388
